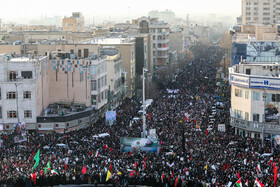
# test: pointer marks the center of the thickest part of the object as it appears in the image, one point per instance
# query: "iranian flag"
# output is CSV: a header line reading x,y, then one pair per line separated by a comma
x,y
238,183
96,154
259,167
53,171
258,183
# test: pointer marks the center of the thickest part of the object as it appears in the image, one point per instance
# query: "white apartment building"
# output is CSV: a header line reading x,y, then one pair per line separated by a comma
x,y
99,86
260,12
255,99
23,90
160,32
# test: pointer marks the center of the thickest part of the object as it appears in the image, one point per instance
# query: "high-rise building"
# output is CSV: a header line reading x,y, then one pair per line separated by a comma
x,y
260,12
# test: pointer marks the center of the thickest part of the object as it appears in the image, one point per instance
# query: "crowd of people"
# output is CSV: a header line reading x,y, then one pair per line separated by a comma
x,y
192,151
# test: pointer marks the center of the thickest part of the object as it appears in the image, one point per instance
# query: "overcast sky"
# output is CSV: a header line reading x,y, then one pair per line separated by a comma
x,y
25,10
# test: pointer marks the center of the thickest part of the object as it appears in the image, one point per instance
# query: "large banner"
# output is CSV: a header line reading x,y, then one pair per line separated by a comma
x,y
272,112
139,144
20,133
275,140
111,117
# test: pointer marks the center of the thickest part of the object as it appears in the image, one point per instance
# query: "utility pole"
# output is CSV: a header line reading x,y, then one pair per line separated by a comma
x,y
144,109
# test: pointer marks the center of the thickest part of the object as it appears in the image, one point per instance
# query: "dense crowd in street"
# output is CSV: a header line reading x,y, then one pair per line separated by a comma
x,y
189,154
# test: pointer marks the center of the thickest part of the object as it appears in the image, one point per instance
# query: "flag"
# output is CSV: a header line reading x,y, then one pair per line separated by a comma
x,y
176,181
258,183
259,167
96,154
16,164
54,156
238,183
135,165
37,158
206,132
53,171
84,170
149,116
108,175
205,167
105,147
100,176
247,183
33,178
238,175
4,37
275,170
111,167
65,166
144,164
48,167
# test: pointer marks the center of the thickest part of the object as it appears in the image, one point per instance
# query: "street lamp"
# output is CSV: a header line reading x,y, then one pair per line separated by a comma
x,y
144,109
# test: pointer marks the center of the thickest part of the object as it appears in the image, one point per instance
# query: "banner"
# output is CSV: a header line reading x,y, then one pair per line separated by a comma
x,y
272,112
20,133
139,144
111,117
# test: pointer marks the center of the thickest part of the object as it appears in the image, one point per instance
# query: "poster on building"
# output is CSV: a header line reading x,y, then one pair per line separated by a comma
x,y
139,144
272,112
111,117
275,140
20,132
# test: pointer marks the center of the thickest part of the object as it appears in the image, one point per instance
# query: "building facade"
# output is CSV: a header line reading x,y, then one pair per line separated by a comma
x,y
255,97
24,91
265,12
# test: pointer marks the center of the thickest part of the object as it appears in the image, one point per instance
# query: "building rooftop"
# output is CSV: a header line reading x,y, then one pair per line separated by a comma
x,y
110,41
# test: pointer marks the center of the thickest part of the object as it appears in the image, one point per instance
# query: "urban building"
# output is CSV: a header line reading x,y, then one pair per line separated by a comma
x,y
99,86
75,23
255,97
116,90
24,90
260,12
167,16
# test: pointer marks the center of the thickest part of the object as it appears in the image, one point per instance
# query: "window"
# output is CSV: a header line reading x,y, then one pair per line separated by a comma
x,y
0,112
93,99
248,71
247,116
26,74
93,85
256,117
256,96
0,94
27,114
238,93
27,95
12,75
238,114
246,94
275,97
11,95
11,114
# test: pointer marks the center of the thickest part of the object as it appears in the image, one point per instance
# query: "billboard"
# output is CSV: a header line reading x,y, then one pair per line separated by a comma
x,y
255,51
20,133
272,112
139,144
275,140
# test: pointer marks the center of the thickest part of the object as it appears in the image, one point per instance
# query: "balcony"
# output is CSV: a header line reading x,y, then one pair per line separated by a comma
x,y
251,126
162,48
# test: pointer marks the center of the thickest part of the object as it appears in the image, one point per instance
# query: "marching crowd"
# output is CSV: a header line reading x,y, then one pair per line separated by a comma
x,y
192,152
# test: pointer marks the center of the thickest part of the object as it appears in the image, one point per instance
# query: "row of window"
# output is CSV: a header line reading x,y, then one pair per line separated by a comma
x,y
100,83
100,97
13,114
240,93
239,114
12,95
13,75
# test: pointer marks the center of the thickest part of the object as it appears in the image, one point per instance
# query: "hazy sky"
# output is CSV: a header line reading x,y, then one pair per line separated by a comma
x,y
25,10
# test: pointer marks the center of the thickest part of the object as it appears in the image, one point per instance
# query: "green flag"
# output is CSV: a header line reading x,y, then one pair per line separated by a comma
x,y
36,158
48,167
4,37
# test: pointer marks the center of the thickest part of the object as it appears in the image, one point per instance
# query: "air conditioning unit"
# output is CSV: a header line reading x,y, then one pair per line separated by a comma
x,y
264,67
